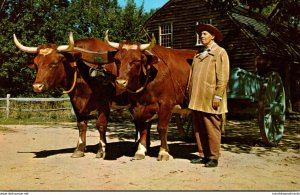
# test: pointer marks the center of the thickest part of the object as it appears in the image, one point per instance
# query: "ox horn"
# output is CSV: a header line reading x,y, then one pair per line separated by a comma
x,y
150,45
70,47
24,48
112,44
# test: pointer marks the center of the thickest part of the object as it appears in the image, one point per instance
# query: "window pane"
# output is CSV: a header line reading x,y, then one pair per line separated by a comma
x,y
166,35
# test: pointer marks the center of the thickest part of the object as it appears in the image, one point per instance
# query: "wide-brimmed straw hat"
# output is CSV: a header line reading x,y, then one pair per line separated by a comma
x,y
211,29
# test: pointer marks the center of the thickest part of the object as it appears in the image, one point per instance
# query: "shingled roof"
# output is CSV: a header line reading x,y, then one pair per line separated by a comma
x,y
268,40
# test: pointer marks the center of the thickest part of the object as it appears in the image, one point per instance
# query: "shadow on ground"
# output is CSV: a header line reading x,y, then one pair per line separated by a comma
x,y
240,136
116,150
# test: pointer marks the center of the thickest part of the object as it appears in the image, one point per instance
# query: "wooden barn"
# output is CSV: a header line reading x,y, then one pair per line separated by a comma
x,y
251,42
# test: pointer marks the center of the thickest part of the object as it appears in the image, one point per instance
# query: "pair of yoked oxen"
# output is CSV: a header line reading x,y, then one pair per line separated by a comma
x,y
150,78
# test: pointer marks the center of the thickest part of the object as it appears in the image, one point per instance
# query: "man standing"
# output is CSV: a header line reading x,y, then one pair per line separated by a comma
x,y
208,100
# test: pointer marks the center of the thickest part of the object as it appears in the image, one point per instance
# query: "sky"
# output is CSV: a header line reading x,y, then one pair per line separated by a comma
x,y
148,4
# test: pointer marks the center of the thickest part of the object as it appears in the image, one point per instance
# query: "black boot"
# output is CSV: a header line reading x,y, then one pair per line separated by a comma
x,y
211,163
199,160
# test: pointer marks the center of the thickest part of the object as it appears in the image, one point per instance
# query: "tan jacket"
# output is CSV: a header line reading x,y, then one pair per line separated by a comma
x,y
209,78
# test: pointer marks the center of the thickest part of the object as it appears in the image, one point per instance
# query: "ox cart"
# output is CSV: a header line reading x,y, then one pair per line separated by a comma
x,y
248,92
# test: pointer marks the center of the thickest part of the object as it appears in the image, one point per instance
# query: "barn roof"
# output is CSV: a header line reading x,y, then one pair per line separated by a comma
x,y
276,42
270,41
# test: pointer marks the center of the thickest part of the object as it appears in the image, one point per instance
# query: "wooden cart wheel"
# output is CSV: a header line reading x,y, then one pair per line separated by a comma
x,y
271,113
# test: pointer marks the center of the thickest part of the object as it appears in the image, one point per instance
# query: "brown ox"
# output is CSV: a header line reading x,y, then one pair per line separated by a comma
x,y
156,78
65,67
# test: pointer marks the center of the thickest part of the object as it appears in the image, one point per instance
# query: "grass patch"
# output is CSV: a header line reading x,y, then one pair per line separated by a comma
x,y
30,113
6,129
45,112
36,112
33,121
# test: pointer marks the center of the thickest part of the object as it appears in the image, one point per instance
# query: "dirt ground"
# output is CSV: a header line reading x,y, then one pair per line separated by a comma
x,y
37,157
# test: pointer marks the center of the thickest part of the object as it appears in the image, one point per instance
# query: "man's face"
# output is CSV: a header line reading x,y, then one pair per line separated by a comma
x,y
206,38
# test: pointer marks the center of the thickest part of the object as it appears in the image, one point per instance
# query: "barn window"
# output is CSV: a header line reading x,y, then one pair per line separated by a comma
x,y
207,21
166,35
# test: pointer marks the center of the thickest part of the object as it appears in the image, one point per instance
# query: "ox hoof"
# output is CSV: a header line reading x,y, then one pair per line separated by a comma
x,y
139,156
140,153
100,154
77,154
164,156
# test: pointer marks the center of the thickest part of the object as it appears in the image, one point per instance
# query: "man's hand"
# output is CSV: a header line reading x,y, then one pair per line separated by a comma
x,y
216,103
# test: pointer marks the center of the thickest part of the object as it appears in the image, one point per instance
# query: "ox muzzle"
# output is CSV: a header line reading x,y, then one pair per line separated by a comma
x,y
121,85
39,87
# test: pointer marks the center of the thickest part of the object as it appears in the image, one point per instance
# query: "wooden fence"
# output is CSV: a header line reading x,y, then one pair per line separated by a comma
x,y
8,108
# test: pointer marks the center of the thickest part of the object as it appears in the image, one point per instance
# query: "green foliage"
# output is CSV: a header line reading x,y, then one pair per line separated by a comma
x,y
50,21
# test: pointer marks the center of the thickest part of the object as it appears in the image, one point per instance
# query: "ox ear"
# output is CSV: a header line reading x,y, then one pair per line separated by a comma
x,y
151,58
111,56
30,64
149,61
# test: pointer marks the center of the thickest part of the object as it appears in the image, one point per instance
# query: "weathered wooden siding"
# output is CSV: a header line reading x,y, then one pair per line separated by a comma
x,y
184,14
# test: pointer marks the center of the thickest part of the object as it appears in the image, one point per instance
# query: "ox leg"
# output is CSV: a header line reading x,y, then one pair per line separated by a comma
x,y
101,124
148,139
162,128
142,128
81,144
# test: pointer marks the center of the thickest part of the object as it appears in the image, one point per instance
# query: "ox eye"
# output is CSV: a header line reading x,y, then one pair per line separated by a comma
x,y
135,63
53,65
